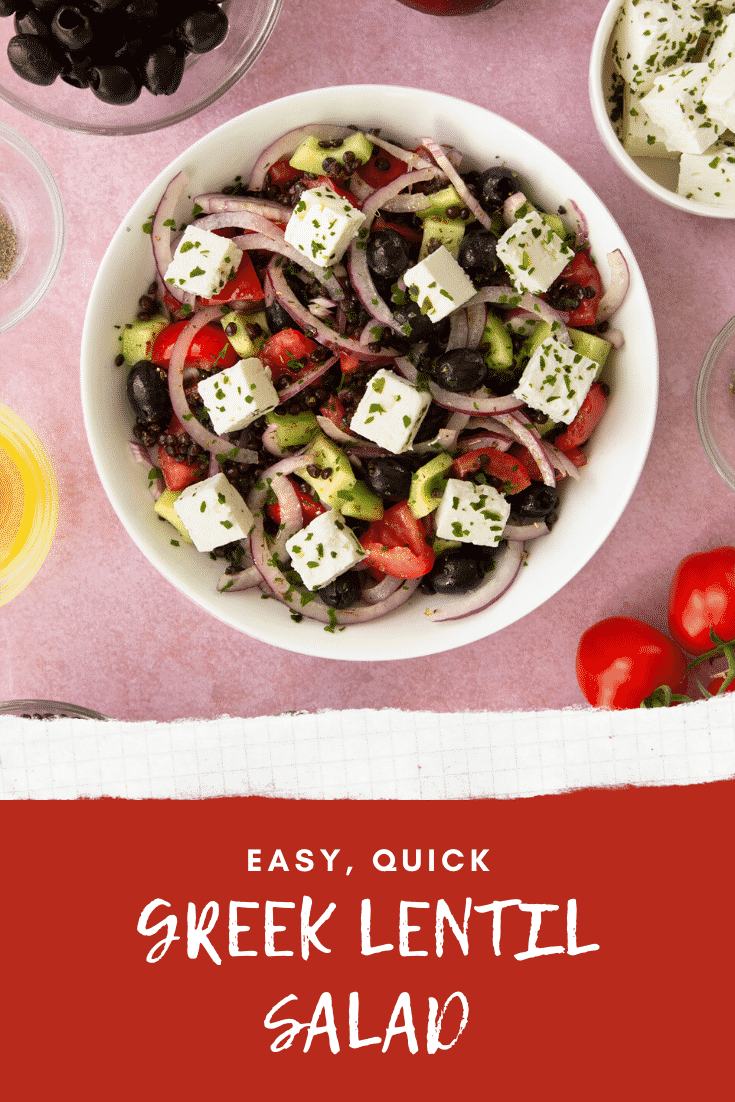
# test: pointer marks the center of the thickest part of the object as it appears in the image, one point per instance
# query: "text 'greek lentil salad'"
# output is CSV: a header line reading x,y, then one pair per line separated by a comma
x,y
360,374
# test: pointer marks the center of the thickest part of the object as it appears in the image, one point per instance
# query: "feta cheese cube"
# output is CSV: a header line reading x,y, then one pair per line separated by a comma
x,y
556,380
533,255
472,514
213,513
322,225
709,177
203,262
390,411
438,284
675,103
238,395
326,548
638,133
719,96
721,47
652,36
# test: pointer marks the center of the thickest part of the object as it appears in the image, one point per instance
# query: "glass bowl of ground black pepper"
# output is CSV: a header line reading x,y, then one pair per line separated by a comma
x,y
715,403
147,63
32,228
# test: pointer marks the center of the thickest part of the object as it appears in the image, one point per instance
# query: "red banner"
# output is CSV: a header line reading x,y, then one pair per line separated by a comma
x,y
573,946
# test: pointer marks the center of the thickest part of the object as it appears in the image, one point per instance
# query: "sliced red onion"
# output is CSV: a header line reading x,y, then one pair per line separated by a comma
x,y
522,532
321,307
164,220
476,321
581,230
615,337
525,434
507,564
290,463
209,440
561,462
292,517
512,205
216,203
236,583
485,440
380,591
617,288
287,143
360,188
308,379
324,335
454,177
141,455
274,242
473,404
508,299
331,430
269,440
412,158
408,203
458,329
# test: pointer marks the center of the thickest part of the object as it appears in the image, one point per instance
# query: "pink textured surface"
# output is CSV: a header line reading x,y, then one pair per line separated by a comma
x,y
99,627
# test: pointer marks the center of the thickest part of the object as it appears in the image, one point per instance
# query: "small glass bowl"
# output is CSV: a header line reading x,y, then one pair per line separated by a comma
x,y
30,202
46,709
715,403
29,505
207,77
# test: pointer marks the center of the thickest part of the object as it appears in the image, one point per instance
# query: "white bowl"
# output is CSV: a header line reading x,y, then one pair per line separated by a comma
x,y
591,506
656,175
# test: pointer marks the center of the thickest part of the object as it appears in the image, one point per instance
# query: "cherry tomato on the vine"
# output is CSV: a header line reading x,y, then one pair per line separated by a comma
x,y
702,599
621,661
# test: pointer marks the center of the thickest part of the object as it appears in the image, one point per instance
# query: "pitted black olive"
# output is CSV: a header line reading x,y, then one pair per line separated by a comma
x,y
34,59
460,370
114,84
477,254
496,185
387,254
387,477
415,325
148,393
30,21
163,70
277,317
435,419
203,29
9,7
343,592
72,27
456,572
535,502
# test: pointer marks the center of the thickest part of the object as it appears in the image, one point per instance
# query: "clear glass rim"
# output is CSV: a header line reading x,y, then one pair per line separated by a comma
x,y
24,147
709,443
81,127
47,709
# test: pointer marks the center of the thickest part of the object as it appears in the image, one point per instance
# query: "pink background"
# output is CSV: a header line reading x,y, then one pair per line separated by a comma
x,y
99,627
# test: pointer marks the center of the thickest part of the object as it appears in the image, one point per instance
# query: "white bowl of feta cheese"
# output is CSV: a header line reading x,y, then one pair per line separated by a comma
x,y
662,90
590,506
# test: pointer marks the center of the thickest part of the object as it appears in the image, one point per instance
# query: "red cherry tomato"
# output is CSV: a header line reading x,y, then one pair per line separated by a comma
x,y
702,598
396,544
576,455
381,168
586,421
508,468
310,507
243,287
282,174
287,352
621,661
583,272
716,682
177,475
210,347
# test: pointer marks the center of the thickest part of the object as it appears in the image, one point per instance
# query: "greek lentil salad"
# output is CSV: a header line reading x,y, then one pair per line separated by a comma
x,y
361,373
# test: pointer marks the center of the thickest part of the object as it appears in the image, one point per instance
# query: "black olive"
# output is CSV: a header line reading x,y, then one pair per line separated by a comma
x,y
387,254
30,21
343,592
101,5
148,393
114,84
435,419
535,502
277,317
203,29
77,69
45,5
9,7
34,59
72,27
415,325
496,185
141,9
456,572
460,370
163,70
477,253
387,477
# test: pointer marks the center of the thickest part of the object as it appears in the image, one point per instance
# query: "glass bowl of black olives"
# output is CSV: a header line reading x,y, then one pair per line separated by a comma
x,y
126,66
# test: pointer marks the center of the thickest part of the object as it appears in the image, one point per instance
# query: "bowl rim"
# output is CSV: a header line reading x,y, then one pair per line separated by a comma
x,y
58,214
701,395
610,140
105,129
396,107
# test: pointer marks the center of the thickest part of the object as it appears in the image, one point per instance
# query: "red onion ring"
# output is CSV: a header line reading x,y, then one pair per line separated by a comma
x,y
236,583
560,461
476,321
522,532
509,299
512,205
329,429
306,380
290,463
473,404
525,434
458,330
507,564
454,177
287,143
161,231
581,230
216,203
380,591
274,242
617,288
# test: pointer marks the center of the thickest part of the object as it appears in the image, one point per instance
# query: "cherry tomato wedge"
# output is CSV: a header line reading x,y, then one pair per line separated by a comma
x,y
209,348
243,287
702,598
287,352
621,661
334,409
345,193
581,272
414,237
508,468
586,421
381,168
576,455
396,544
281,173
310,507
176,474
